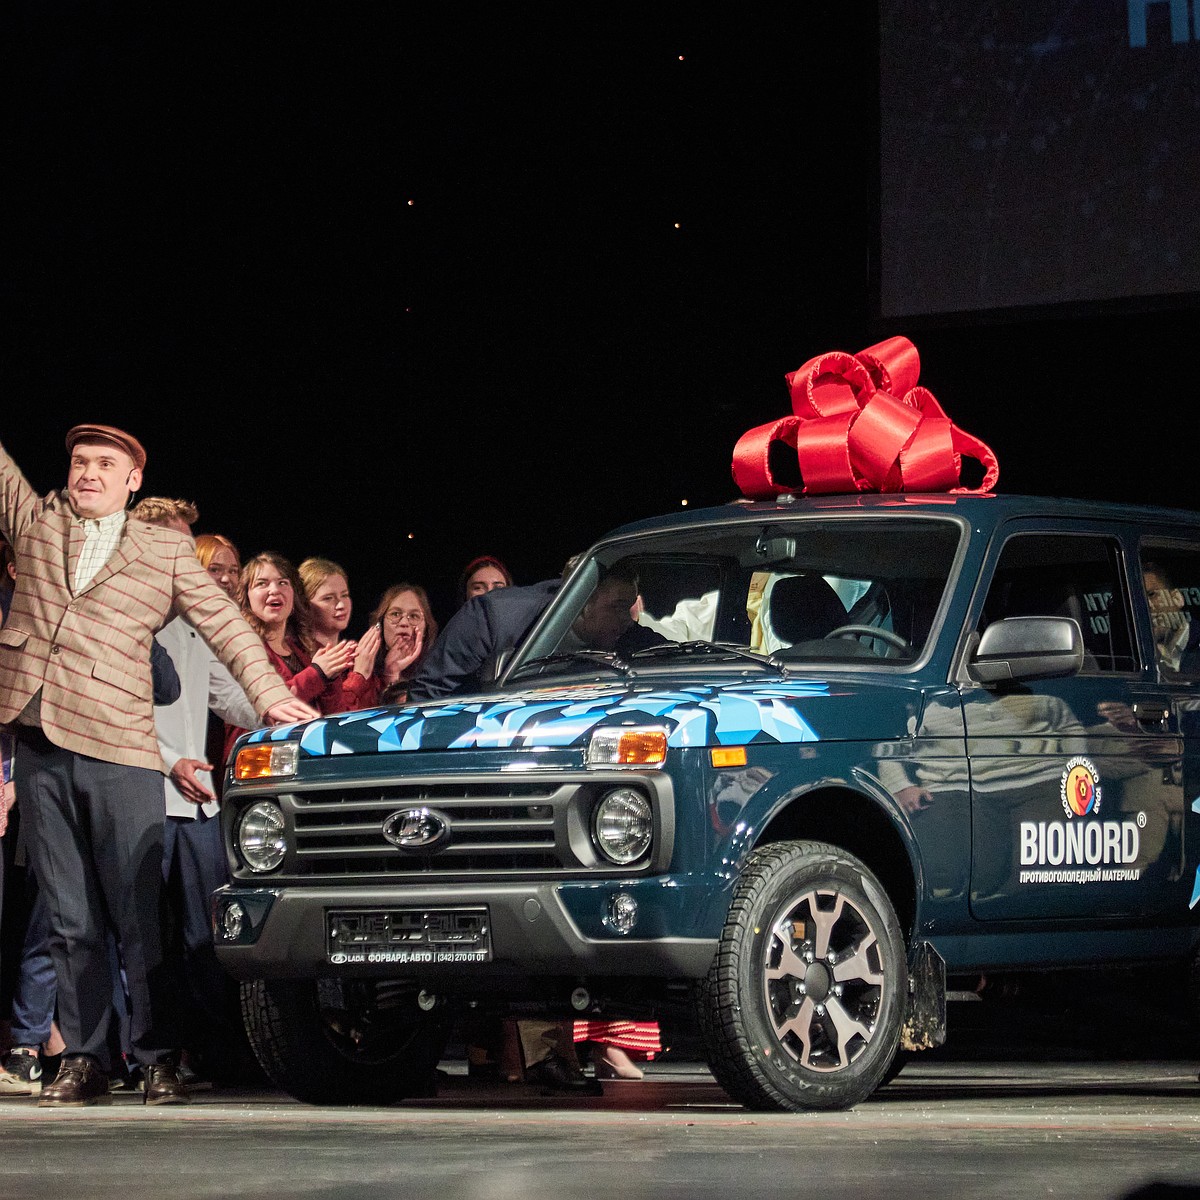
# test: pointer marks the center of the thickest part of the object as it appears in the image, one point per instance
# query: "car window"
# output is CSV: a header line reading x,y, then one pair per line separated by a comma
x,y
800,591
1079,576
1171,578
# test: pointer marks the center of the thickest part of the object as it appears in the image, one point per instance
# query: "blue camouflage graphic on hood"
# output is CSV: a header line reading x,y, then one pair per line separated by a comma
x,y
695,715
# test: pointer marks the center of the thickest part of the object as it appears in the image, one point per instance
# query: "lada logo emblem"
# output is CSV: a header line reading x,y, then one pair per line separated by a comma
x,y
417,828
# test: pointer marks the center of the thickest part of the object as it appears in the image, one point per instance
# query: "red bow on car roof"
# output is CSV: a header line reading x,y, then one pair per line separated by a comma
x,y
860,423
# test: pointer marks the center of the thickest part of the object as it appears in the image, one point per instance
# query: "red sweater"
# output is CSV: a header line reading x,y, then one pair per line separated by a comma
x,y
307,684
348,692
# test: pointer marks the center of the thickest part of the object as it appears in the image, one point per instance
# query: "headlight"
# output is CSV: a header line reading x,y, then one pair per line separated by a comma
x,y
623,825
260,836
628,746
266,760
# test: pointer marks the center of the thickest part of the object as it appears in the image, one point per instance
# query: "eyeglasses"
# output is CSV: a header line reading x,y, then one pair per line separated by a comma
x,y
397,616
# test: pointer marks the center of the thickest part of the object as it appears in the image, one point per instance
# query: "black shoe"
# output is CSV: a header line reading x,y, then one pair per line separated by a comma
x,y
192,1080
21,1074
163,1085
80,1082
555,1074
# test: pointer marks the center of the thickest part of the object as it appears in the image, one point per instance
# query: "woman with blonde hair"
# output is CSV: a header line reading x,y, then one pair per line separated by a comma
x,y
275,604
328,591
220,558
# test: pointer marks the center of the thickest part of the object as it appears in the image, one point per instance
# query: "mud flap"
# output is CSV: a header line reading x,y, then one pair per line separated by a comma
x,y
924,1024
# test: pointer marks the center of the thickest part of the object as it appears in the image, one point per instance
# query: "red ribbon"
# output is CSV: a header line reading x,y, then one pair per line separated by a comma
x,y
860,423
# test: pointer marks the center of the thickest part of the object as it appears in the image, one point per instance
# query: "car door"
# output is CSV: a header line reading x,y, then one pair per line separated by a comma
x,y
1168,609
1072,809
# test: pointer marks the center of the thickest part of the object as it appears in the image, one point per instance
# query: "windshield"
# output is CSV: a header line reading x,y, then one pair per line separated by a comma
x,y
770,596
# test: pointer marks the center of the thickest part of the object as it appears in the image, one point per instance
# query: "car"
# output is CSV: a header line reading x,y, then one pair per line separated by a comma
x,y
835,754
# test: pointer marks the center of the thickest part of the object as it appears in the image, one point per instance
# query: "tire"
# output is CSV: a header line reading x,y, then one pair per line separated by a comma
x,y
900,1060
806,918
332,1041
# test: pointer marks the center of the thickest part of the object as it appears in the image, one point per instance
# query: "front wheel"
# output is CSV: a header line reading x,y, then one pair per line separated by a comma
x,y
335,1041
803,1004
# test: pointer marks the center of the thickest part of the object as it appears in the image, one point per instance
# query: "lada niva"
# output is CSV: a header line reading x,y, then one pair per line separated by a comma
x,y
848,748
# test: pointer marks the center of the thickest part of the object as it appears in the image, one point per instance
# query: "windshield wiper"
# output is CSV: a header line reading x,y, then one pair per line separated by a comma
x,y
600,658
725,649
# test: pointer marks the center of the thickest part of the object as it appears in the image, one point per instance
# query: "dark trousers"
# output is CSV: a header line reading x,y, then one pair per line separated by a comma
x,y
30,994
33,990
12,919
95,839
193,868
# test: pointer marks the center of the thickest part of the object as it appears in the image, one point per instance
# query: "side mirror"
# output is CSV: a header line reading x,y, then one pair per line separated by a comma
x,y
1019,648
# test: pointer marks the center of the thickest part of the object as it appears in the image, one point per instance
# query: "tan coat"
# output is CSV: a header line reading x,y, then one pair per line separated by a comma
x,y
90,653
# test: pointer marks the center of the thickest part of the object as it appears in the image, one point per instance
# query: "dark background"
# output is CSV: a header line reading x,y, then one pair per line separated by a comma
x,y
211,243
1040,152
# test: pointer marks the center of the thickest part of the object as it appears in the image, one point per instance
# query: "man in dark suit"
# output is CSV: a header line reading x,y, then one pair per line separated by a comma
x,y
75,688
464,658
466,655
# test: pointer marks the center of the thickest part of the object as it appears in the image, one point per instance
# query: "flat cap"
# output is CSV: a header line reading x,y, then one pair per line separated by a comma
x,y
111,435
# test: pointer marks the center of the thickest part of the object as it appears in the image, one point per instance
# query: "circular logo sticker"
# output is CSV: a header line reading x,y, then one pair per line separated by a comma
x,y
1080,788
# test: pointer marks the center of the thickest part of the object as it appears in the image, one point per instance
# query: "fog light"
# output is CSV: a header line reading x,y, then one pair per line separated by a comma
x,y
623,825
261,839
622,912
233,921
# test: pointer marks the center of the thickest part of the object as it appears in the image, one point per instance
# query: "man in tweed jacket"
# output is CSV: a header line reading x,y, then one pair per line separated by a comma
x,y
75,688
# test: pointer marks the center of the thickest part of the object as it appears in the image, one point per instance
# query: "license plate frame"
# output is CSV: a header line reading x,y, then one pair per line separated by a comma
x,y
408,936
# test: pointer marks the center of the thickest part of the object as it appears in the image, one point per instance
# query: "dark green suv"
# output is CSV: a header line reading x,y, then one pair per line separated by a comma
x,y
859,745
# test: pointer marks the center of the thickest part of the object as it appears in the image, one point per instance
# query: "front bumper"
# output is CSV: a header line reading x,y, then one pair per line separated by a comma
x,y
537,930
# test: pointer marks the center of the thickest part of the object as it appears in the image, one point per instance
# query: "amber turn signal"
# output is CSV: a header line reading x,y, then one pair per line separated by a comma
x,y
265,760
728,756
627,747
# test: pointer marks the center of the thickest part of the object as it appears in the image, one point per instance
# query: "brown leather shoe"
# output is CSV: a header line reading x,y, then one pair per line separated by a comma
x,y
163,1085
79,1082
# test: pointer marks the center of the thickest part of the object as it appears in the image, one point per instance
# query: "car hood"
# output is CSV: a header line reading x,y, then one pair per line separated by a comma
x,y
693,714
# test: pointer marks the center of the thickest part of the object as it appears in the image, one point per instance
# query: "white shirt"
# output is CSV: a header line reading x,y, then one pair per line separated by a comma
x,y
100,539
692,620
183,726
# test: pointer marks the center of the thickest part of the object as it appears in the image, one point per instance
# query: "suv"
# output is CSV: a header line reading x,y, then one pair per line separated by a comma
x,y
853,747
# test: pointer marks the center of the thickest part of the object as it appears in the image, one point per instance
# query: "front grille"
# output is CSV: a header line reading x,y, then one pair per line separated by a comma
x,y
513,826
